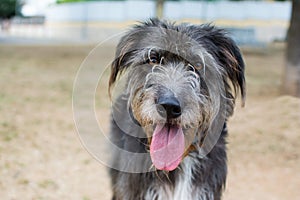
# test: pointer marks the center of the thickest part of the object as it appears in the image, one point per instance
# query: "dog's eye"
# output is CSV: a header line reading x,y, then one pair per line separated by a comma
x,y
153,59
194,68
190,68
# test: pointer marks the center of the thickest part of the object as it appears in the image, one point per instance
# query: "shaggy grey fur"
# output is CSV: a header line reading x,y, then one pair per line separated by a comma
x,y
203,69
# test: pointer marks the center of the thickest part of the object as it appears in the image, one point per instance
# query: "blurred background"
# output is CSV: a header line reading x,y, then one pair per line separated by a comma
x,y
44,42
253,22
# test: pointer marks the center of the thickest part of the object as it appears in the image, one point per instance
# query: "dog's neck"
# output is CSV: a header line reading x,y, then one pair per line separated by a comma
x,y
184,188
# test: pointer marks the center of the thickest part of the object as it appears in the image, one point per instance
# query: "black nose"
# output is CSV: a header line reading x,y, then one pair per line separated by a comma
x,y
168,106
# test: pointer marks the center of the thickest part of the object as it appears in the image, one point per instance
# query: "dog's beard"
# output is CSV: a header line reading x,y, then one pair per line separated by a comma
x,y
170,139
220,67
198,90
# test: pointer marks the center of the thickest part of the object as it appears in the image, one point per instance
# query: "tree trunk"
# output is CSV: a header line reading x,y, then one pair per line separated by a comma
x,y
291,79
159,8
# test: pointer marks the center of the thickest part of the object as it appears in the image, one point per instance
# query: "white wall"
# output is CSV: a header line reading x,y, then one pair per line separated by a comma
x,y
141,10
229,10
269,19
101,11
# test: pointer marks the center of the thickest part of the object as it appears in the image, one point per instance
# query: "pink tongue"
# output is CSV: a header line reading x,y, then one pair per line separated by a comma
x,y
167,147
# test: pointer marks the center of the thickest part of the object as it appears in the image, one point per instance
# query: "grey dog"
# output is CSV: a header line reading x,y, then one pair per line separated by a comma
x,y
174,88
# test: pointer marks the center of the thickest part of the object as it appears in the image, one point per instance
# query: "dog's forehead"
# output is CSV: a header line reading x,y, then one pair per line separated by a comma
x,y
167,41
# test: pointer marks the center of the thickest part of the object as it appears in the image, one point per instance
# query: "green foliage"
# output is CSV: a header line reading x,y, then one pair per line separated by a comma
x,y
7,8
70,1
67,1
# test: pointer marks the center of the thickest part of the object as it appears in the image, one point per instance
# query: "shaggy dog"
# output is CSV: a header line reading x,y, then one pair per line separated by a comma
x,y
174,88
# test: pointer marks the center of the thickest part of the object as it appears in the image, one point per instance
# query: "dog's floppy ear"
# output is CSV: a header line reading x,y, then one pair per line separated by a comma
x,y
122,60
117,66
128,49
228,55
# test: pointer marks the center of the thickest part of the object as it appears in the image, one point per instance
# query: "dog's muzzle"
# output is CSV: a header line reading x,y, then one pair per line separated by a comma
x,y
167,145
168,106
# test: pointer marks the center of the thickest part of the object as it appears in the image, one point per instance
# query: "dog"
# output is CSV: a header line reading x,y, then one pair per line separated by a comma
x,y
175,86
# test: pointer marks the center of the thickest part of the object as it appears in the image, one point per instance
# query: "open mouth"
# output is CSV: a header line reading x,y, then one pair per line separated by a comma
x,y
167,146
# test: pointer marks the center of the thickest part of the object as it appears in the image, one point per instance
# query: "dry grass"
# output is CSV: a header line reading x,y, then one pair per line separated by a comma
x,y
42,158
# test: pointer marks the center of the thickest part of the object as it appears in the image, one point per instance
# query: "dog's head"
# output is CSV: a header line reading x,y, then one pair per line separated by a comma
x,y
180,79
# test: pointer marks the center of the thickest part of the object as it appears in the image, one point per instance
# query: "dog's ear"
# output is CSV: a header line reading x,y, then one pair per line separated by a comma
x,y
229,57
129,47
117,66
122,60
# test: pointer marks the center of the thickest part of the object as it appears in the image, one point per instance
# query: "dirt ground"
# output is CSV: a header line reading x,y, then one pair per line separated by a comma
x,y
42,156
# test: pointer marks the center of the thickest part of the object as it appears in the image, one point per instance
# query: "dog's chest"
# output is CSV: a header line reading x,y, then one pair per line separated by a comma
x,y
181,191
184,189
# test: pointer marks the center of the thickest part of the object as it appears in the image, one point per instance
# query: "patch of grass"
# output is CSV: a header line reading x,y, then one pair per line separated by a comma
x,y
5,100
65,87
23,181
48,184
86,162
8,131
86,198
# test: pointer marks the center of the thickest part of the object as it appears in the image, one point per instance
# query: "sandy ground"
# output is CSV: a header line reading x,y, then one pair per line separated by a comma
x,y
43,158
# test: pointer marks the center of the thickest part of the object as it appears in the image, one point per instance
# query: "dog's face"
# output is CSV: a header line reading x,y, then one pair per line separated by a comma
x,y
180,79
